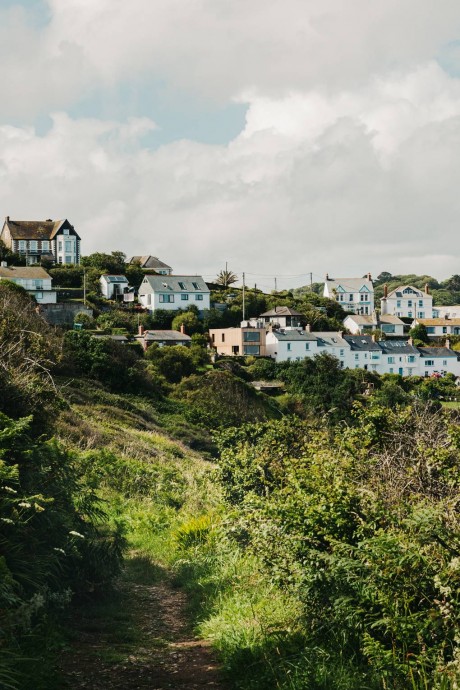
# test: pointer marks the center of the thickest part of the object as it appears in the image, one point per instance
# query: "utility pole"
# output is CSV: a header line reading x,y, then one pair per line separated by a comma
x,y
244,305
276,288
311,281
84,286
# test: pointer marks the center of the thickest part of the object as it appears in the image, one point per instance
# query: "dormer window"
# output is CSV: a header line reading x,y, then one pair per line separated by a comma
x,y
182,285
66,231
195,285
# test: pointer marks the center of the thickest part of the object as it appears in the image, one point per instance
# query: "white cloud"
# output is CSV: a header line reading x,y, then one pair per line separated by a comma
x,y
348,160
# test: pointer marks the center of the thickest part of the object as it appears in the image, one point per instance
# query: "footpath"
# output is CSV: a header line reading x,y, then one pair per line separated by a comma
x,y
139,638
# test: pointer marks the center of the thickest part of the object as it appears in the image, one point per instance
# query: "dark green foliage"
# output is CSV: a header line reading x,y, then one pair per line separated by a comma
x,y
173,362
106,263
419,333
67,276
118,366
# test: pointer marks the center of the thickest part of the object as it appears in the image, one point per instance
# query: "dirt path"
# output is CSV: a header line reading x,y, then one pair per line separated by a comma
x,y
139,639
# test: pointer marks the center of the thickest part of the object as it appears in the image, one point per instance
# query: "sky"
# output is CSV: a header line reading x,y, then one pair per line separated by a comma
x,y
285,138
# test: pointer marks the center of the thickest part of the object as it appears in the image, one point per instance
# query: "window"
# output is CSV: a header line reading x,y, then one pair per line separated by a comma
x,y
66,231
251,349
182,286
398,303
409,303
39,295
60,260
444,362
289,346
166,298
391,370
22,245
356,356
213,337
444,329
429,363
45,244
184,296
60,246
409,314
364,298
411,358
33,244
251,336
68,259
223,337
195,285
342,353
68,246
38,284
350,298
420,314
391,360
149,298
307,346
199,298
420,303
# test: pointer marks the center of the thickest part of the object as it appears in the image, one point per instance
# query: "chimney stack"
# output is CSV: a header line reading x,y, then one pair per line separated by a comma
x,y
327,276
340,334
141,330
385,290
448,343
308,328
182,329
427,288
7,219
374,339
410,340
369,277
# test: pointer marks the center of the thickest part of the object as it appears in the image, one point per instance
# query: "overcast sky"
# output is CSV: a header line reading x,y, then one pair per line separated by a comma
x,y
283,136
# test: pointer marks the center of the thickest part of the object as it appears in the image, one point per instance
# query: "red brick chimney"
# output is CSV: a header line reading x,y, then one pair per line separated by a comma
x,y
369,277
385,290
427,288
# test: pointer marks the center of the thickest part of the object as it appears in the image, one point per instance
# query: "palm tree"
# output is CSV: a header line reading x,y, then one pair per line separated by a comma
x,y
226,278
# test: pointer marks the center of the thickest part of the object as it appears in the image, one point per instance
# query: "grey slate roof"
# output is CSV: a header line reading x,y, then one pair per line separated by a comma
x,y
171,283
361,342
149,262
331,339
391,347
443,352
160,336
282,311
416,292
294,335
349,284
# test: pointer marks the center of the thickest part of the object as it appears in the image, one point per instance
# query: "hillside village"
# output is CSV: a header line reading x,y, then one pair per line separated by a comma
x,y
402,333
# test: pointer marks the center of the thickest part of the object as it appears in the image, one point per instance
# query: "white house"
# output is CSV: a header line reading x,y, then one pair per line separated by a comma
x,y
451,312
173,292
34,279
355,295
360,324
437,361
113,286
56,240
407,301
399,357
439,327
290,345
334,344
364,352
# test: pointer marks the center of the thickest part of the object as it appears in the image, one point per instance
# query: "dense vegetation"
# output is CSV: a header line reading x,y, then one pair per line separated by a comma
x,y
316,531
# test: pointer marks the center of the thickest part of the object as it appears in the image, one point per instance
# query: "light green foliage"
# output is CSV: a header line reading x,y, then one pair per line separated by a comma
x,y
189,320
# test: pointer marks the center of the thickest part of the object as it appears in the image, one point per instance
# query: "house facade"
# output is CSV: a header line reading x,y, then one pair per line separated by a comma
x,y
437,328
282,317
407,301
36,240
173,292
163,338
239,341
355,295
291,345
34,279
360,324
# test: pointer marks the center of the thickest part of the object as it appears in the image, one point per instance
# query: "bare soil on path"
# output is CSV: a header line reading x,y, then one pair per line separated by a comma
x,y
139,638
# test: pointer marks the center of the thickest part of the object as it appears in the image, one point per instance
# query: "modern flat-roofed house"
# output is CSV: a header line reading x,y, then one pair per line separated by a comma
x,y
56,240
355,295
34,279
173,292
153,263
407,301
239,341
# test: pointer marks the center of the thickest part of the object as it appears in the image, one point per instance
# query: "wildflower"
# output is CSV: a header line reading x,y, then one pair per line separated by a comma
x,y
24,504
76,534
10,490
